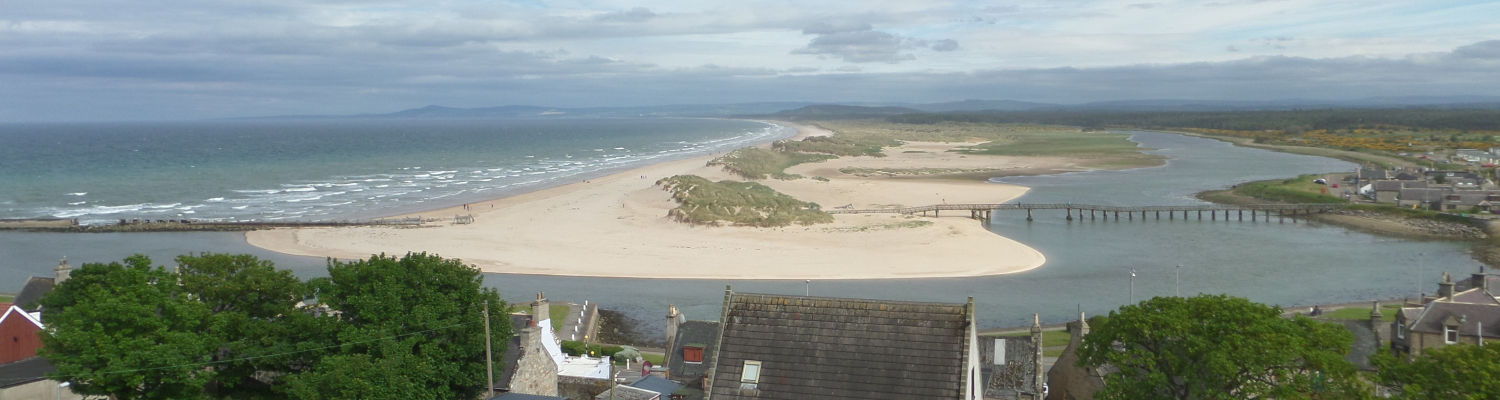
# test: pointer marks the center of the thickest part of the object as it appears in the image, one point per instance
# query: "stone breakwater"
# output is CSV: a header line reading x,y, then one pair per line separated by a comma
x,y
1421,226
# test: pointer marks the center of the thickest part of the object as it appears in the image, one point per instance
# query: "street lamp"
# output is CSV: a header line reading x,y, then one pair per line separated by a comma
x,y
806,287
1179,280
1132,286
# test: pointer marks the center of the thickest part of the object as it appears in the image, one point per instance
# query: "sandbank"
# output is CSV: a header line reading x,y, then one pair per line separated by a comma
x,y
616,226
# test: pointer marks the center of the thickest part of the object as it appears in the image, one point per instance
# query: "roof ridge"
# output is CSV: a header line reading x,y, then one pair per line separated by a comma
x,y
906,302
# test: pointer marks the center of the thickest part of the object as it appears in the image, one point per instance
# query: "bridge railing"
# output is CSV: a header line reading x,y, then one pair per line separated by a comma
x,y
1088,207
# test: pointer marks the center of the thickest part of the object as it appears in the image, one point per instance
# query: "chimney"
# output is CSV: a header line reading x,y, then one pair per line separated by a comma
x,y
539,309
1445,288
1083,325
1478,280
673,320
62,270
1040,379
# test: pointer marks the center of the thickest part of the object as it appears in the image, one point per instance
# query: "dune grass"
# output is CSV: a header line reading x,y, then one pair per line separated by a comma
x,y
758,163
1295,190
704,202
1092,149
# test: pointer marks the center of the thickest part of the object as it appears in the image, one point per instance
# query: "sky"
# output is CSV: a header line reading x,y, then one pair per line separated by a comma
x,y
90,60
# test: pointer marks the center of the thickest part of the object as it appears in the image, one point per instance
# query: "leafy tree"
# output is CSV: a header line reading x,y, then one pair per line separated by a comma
x,y
411,328
127,330
1452,372
1218,347
256,322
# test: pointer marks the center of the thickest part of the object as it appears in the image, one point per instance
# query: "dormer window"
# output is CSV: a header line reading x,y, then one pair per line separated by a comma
x,y
692,353
1450,334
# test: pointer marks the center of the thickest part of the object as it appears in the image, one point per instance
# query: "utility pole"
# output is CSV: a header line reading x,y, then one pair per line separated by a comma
x,y
489,359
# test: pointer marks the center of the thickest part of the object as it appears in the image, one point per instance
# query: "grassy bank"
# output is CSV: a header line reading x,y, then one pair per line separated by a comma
x,y
1299,190
705,202
758,163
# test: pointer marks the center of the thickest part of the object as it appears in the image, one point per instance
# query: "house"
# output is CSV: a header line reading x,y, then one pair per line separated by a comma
x,y
690,348
1470,200
657,384
1475,156
1012,367
1459,179
1389,191
628,393
1467,313
801,347
22,372
525,366
1427,198
1069,380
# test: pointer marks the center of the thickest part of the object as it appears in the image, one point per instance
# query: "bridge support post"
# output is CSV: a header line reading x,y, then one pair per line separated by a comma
x,y
1242,215
1117,215
1070,214
1171,215
1213,215
1091,215
1028,215
1200,215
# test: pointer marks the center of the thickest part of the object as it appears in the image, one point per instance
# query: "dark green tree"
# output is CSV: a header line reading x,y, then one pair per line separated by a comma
x,y
411,329
1218,347
260,330
127,330
1460,372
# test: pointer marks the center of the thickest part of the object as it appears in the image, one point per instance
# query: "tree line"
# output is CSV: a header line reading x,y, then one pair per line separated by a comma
x,y
224,326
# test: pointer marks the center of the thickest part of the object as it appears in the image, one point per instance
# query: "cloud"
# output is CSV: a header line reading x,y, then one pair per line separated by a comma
x,y
637,14
1486,50
861,43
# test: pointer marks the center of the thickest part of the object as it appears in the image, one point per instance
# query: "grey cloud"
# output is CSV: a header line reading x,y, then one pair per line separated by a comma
x,y
826,27
860,43
637,14
1487,49
1143,6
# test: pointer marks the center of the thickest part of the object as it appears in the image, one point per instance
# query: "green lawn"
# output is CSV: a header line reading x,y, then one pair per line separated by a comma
x,y
1387,313
654,358
6,298
1058,338
559,314
1295,190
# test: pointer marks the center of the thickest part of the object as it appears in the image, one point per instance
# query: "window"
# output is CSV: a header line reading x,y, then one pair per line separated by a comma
x,y
751,372
692,353
1450,334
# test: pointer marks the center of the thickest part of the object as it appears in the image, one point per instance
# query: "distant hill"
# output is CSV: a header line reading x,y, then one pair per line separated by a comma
x,y
983,105
842,111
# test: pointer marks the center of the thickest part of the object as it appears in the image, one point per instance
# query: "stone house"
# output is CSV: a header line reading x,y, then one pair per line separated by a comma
x,y
1012,367
1389,191
801,347
1461,312
1427,198
1068,380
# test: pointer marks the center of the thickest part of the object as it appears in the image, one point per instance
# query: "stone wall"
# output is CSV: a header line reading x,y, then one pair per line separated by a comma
x,y
536,373
43,389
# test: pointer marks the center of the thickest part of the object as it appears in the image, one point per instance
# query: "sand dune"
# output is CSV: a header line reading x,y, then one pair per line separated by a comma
x,y
616,226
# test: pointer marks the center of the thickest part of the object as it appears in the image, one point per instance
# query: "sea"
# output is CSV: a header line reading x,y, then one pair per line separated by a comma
x,y
343,169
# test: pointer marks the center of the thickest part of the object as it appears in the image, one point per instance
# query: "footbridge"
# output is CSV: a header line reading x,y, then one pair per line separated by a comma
x,y
983,211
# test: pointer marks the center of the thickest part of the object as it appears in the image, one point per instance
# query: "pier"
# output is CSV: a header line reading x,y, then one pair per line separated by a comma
x,y
1091,212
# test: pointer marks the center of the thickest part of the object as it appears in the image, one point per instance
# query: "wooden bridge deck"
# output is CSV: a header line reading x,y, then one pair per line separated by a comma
x,y
983,211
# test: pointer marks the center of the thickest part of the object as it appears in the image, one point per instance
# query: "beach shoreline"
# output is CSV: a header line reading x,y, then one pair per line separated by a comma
x,y
616,226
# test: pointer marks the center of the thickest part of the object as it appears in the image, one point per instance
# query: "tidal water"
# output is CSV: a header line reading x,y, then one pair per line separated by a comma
x,y
1088,267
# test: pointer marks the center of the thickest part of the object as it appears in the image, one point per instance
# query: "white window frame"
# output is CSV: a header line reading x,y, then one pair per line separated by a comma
x,y
1450,335
745,376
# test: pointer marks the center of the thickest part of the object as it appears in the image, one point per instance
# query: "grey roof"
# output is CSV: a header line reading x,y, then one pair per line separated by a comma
x,y
1407,176
1476,296
25,371
35,288
1423,195
657,384
832,348
693,332
1373,173
512,355
1384,186
523,396
1432,318
628,393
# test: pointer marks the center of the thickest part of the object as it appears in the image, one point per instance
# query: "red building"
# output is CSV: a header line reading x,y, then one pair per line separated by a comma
x,y
21,334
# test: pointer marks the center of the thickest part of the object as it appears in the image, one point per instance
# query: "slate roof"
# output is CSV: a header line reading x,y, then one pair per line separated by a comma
x,y
523,396
1431,319
833,348
512,355
24,371
1383,186
693,332
628,393
657,384
35,288
1476,296
1423,195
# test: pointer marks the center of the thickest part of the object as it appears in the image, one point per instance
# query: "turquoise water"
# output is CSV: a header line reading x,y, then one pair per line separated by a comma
x,y
1088,266
323,169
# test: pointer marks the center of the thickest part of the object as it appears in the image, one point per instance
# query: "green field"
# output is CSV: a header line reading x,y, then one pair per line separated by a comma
x,y
704,202
558,313
1092,149
6,298
1295,190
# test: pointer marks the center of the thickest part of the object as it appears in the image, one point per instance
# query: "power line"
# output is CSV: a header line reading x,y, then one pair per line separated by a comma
x,y
123,371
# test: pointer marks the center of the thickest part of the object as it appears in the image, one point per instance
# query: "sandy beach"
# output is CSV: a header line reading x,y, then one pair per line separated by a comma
x,y
616,226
